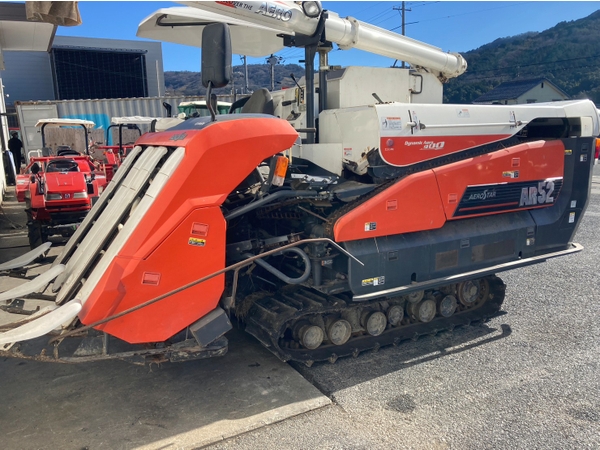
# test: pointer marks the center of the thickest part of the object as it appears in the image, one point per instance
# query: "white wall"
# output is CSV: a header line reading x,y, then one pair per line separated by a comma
x,y
540,94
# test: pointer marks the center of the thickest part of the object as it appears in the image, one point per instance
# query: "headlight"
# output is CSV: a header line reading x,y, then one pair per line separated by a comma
x,y
312,9
80,195
53,196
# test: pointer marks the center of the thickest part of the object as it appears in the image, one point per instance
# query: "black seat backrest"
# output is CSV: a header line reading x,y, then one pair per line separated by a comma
x,y
260,102
67,152
62,165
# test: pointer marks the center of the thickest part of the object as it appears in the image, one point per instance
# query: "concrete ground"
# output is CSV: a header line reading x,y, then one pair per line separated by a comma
x,y
117,405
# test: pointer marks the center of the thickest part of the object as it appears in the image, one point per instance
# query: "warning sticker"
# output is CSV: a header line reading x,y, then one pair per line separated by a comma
x,y
347,152
391,123
464,112
370,226
511,174
572,217
197,242
377,281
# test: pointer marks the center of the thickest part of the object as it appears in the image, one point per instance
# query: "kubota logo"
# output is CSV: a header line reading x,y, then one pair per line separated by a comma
x,y
178,137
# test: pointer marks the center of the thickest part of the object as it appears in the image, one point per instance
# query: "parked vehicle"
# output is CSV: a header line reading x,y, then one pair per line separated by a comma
x,y
59,189
198,108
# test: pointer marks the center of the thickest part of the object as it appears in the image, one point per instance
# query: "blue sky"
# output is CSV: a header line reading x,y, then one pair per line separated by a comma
x,y
453,26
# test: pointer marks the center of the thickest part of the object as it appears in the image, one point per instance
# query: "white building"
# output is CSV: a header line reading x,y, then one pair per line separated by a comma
x,y
536,90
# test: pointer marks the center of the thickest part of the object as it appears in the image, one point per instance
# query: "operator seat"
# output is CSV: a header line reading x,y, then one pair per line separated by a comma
x,y
62,165
260,102
65,150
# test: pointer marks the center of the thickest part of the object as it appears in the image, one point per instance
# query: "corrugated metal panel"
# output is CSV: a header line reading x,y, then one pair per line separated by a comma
x,y
100,111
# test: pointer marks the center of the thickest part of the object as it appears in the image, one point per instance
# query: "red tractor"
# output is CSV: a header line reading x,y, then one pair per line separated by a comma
x,y
59,190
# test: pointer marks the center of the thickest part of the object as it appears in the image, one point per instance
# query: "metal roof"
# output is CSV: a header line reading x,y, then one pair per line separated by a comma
x,y
18,34
132,120
65,123
511,90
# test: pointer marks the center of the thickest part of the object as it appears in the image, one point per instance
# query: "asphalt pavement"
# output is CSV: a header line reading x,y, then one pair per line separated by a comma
x,y
526,380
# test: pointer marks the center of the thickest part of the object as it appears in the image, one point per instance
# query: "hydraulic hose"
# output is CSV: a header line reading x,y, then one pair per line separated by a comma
x,y
283,277
268,199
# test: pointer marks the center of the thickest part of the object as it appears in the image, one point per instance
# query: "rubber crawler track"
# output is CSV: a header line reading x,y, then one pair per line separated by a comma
x,y
271,318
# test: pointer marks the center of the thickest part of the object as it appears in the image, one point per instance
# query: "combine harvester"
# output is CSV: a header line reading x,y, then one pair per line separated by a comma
x,y
387,220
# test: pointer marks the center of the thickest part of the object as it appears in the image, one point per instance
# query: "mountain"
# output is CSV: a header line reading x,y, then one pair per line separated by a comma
x,y
259,75
567,54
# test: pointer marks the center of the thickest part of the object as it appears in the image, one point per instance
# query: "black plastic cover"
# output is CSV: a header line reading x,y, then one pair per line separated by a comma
x,y
216,55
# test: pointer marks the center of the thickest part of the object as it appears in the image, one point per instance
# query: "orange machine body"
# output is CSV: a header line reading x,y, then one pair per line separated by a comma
x,y
181,238
525,176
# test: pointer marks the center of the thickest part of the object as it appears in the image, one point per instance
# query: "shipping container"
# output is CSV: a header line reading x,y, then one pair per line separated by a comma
x,y
100,111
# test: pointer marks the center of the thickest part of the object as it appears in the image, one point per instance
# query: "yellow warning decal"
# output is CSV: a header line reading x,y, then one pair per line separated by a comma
x,y
197,242
373,281
568,152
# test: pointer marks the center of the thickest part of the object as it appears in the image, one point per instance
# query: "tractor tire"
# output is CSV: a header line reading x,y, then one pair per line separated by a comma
x,y
34,232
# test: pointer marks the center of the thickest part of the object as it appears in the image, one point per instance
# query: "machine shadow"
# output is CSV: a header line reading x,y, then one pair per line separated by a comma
x,y
371,365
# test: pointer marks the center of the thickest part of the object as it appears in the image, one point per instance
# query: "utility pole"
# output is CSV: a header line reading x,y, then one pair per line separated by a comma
x,y
245,74
273,60
403,11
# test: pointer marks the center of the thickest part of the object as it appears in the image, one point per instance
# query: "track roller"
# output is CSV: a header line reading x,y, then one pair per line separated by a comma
x,y
374,322
472,291
424,311
338,331
447,305
395,314
310,336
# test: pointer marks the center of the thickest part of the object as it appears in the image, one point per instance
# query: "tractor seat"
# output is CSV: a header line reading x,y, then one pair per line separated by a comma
x,y
66,151
65,165
260,102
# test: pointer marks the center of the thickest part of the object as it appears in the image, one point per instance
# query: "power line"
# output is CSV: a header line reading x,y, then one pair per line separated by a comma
x,y
461,14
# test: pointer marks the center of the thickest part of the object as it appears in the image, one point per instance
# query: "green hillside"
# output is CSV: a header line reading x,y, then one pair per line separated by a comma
x,y
567,55
259,75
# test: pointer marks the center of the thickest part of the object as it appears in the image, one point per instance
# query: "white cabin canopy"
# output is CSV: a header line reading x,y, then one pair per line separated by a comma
x,y
246,38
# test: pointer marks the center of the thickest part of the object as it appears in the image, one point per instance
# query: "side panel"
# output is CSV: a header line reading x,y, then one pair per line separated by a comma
x,y
556,226
476,242
412,204
196,247
457,247
407,150
522,177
